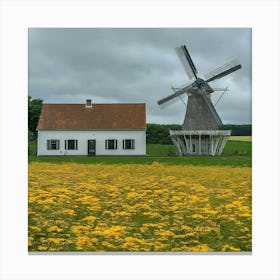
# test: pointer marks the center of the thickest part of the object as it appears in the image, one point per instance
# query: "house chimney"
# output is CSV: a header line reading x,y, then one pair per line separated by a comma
x,y
88,103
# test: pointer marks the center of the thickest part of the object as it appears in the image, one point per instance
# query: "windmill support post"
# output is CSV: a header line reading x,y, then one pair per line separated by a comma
x,y
200,142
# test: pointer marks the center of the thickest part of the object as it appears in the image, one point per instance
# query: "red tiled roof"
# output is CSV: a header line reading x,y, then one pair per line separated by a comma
x,y
99,116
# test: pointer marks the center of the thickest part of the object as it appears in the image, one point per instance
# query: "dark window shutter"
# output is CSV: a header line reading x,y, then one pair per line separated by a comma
x,y
48,144
116,144
65,144
57,144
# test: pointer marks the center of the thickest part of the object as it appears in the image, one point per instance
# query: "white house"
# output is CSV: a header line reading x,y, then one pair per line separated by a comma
x,y
92,129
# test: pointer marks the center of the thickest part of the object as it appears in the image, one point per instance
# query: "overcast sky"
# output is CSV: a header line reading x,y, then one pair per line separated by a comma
x,y
138,65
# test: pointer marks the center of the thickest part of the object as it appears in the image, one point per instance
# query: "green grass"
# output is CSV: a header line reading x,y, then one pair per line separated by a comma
x,y
232,148
236,153
238,148
158,150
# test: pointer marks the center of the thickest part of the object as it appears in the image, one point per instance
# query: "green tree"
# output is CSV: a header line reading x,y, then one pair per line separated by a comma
x,y
34,111
239,129
159,133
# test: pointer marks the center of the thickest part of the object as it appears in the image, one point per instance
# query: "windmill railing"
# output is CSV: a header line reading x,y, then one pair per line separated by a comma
x,y
200,142
200,132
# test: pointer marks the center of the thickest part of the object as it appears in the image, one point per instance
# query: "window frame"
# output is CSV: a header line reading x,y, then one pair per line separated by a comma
x,y
132,144
115,144
66,144
51,142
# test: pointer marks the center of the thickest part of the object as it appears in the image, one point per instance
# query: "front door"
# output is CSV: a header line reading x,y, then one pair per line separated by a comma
x,y
91,147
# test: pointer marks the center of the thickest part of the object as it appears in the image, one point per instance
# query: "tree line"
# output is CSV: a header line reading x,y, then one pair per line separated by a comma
x,y
34,111
159,133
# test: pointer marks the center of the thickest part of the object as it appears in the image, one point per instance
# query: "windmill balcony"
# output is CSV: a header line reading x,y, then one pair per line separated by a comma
x,y
199,142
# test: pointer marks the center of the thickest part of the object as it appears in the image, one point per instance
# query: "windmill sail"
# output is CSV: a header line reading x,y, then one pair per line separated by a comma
x,y
223,70
175,94
186,61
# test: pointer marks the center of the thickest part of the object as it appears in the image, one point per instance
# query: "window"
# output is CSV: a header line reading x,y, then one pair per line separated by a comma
x,y
53,144
88,103
193,148
71,144
128,144
111,144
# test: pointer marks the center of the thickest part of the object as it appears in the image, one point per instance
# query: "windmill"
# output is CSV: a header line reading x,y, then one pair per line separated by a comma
x,y
201,133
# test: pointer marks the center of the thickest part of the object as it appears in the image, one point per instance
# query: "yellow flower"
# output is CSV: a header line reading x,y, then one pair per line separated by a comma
x,y
89,219
54,229
35,228
30,240
85,243
245,215
227,247
68,211
42,248
114,231
197,216
56,240
201,248
79,229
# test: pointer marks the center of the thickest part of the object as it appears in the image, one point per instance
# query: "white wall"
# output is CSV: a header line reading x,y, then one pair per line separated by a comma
x,y
83,136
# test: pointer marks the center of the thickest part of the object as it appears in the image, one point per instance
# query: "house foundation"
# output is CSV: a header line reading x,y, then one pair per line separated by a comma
x,y
199,142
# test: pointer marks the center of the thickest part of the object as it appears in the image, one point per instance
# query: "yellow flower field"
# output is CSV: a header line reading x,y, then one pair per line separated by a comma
x,y
134,207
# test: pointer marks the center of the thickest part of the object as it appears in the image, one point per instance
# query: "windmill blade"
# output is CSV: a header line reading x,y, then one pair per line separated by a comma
x,y
175,94
186,61
174,90
212,109
223,71
220,89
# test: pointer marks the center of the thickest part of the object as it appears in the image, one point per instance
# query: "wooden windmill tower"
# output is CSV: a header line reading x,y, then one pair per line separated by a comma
x,y
201,133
